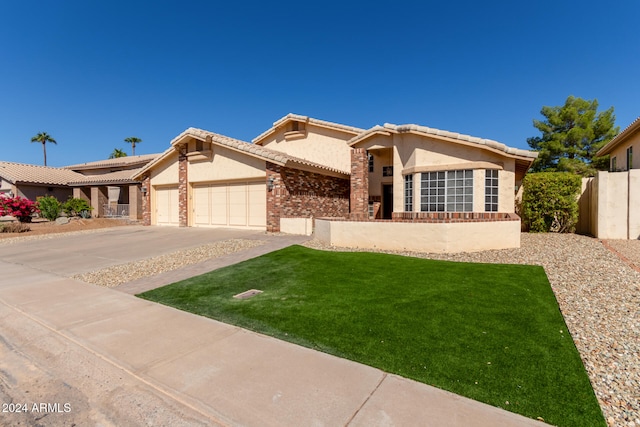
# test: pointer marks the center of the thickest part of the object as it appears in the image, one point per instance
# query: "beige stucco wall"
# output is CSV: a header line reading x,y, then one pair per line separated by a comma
x,y
301,226
225,165
32,192
321,145
620,152
410,151
634,203
165,173
615,206
421,237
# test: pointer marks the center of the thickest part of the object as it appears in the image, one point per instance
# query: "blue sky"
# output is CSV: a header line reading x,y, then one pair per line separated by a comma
x,y
93,73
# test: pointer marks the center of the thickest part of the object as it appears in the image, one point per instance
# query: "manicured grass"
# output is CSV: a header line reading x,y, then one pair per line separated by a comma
x,y
493,333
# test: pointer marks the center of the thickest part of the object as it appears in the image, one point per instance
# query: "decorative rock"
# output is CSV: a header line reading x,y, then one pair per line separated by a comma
x,y
62,220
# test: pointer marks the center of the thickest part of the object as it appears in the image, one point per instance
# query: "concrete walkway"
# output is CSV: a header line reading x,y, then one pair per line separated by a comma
x,y
119,360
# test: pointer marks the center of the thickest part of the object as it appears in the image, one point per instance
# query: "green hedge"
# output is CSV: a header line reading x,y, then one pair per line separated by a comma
x,y
550,201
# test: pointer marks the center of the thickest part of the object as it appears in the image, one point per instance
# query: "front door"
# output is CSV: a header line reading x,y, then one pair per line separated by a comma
x,y
387,201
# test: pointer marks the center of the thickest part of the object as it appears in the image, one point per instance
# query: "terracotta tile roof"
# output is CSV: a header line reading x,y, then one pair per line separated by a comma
x,y
635,125
254,150
114,163
33,174
388,128
306,119
277,157
118,177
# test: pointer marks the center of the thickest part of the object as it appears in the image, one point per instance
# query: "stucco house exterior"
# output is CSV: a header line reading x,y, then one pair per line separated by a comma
x,y
410,181
107,185
610,202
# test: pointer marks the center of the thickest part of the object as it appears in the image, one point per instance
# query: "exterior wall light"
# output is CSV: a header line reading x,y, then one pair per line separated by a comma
x,y
144,190
270,183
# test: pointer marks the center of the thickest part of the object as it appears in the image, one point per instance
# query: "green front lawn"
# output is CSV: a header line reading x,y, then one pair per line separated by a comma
x,y
493,333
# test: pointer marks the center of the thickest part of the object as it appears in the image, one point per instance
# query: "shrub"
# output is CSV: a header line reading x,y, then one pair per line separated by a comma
x,y
75,206
50,207
18,207
550,201
14,227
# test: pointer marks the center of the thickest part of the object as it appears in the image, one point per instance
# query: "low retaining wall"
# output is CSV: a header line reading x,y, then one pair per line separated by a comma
x,y
426,234
302,226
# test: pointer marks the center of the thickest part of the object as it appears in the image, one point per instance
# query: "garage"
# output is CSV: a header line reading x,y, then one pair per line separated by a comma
x,y
167,206
230,204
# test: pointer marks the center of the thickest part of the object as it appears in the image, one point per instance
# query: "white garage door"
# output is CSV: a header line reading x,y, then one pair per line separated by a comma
x,y
242,204
167,206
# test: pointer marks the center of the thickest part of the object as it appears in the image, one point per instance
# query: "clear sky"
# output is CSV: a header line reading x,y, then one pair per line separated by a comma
x,y
91,73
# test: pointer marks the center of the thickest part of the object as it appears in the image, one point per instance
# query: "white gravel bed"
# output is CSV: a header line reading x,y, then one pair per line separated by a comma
x,y
599,296
123,273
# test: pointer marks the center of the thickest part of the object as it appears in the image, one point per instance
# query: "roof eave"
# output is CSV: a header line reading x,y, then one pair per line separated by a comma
x,y
618,139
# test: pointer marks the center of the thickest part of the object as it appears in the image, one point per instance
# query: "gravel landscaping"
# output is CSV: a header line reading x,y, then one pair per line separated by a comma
x,y
599,296
123,273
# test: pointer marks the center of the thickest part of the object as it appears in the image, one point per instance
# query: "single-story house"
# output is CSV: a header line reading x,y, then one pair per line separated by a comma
x,y
106,184
398,187
610,202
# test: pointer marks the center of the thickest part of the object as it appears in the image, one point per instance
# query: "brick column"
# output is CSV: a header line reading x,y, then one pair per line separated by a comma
x,y
146,201
274,197
183,214
359,196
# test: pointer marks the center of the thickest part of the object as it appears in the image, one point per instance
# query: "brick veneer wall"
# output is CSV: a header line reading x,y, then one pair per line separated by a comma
x,y
146,201
298,193
453,217
359,184
183,214
438,217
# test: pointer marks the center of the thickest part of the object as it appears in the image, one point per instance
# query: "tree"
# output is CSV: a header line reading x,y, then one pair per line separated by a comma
x,y
43,138
117,153
571,136
133,141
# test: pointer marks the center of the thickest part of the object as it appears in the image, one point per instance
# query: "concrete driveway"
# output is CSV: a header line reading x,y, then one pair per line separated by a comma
x,y
78,354
79,253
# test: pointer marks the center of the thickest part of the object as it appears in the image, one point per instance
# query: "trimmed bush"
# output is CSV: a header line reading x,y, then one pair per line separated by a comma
x,y
75,206
50,207
550,201
14,227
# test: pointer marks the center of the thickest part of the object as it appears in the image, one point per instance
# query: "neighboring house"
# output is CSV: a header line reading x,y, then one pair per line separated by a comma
x,y
610,202
401,180
107,184
31,181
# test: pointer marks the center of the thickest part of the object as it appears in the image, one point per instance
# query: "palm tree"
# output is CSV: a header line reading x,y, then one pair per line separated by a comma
x,y
117,153
43,138
133,141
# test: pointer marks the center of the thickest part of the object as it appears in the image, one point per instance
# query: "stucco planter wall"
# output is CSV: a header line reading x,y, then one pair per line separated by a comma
x,y
443,236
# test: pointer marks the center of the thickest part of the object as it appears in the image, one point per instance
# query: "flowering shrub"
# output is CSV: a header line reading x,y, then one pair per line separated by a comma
x,y
18,207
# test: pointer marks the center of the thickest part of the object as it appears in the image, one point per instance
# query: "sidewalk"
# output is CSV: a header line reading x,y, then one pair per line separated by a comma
x,y
210,372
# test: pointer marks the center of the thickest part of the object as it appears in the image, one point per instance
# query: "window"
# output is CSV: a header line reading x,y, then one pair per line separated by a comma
x,y
629,158
450,191
408,193
491,190
614,164
387,171
370,160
